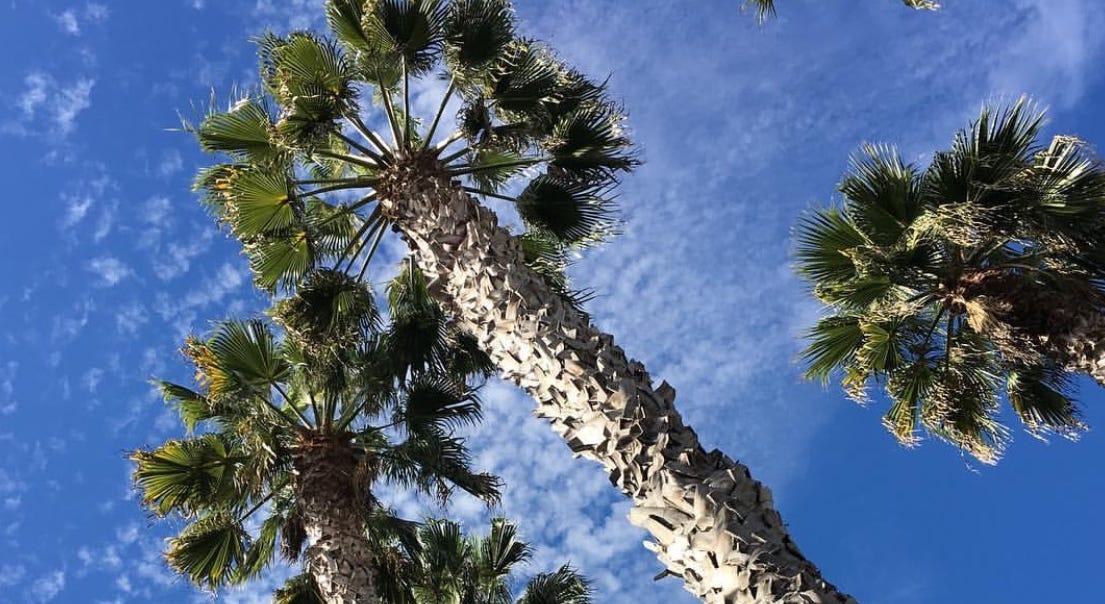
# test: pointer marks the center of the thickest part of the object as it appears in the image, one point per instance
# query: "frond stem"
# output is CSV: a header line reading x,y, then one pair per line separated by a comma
x,y
371,136
350,159
440,111
291,405
390,110
376,157
372,250
470,169
490,194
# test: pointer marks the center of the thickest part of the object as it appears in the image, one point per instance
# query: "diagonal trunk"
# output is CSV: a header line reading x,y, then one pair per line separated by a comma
x,y
713,524
338,554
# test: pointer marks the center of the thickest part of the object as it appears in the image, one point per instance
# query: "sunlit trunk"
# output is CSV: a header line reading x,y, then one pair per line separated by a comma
x,y
712,524
338,553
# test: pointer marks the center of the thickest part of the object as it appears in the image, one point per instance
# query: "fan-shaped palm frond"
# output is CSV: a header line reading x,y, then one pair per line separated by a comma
x,y
954,285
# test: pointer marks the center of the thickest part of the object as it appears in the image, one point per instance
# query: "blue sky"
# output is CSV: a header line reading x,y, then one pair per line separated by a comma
x,y
107,261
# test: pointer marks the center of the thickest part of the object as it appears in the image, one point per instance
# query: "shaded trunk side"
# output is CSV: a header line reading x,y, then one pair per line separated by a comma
x,y
338,554
713,525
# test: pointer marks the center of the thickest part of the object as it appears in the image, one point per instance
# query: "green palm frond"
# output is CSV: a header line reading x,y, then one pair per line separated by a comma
x,y
407,31
824,240
434,464
500,551
590,143
564,586
881,194
330,311
299,589
476,35
573,211
249,353
437,404
208,550
188,476
1043,402
833,344
192,406
526,82
245,132
259,203
281,260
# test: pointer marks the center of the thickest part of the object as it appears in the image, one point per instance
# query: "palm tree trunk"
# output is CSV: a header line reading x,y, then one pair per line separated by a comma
x,y
712,523
338,554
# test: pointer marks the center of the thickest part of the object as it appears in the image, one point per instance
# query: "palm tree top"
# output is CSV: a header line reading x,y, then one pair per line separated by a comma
x,y
307,155
384,403
926,274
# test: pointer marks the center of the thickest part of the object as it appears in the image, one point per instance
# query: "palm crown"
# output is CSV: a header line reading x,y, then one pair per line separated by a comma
x,y
282,417
530,131
950,286
441,565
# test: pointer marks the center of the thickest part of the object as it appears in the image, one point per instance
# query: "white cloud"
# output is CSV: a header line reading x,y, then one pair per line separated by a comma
x,y
49,106
8,404
171,163
110,270
48,586
70,22
67,21
76,208
11,574
91,379
176,258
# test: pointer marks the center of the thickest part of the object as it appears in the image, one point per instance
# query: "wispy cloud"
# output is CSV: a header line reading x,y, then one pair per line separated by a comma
x,y
69,20
48,586
47,105
111,270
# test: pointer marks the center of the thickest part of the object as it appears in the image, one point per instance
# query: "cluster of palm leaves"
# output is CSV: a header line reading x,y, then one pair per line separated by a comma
x,y
528,130
439,564
391,396
957,284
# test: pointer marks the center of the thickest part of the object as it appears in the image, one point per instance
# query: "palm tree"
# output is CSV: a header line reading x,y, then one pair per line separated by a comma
x,y
309,183
443,566
976,276
298,431
766,8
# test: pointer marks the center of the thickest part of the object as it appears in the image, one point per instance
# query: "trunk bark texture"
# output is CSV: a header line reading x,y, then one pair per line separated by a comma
x,y
713,525
338,554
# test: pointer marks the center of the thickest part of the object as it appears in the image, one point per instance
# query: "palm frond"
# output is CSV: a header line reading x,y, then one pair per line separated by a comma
x,y
188,476
476,35
245,132
564,586
299,589
572,211
209,550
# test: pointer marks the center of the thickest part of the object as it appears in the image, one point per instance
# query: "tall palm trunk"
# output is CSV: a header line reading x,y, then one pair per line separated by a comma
x,y
713,524
338,554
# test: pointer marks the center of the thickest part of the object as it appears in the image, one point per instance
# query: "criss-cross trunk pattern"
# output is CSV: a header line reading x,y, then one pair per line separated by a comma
x,y
338,554
713,525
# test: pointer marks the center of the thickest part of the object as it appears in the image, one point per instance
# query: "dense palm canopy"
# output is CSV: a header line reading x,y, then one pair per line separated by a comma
x,y
308,153
441,565
958,284
337,388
